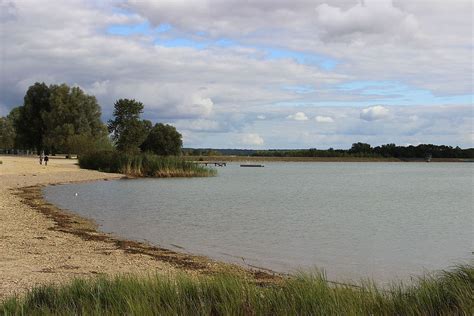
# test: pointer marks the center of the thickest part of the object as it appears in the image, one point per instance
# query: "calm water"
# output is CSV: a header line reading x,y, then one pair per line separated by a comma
x,y
355,220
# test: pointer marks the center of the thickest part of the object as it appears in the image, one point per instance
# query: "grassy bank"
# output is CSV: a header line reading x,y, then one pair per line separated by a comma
x,y
143,165
447,293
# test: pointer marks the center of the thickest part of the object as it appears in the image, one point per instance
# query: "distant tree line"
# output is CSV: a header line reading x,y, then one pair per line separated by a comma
x,y
362,150
366,150
63,119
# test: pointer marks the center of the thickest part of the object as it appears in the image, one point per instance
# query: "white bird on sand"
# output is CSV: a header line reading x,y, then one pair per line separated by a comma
x,y
76,194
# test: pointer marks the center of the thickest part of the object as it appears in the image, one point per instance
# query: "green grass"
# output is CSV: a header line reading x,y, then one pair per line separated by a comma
x,y
143,165
446,293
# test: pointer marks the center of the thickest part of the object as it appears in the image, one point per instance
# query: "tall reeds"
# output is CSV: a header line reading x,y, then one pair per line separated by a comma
x,y
143,165
447,293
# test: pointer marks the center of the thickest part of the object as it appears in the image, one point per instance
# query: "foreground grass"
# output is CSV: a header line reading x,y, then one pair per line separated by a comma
x,y
447,293
143,165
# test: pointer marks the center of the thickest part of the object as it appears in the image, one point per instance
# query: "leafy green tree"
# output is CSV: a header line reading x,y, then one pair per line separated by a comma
x,y
128,130
164,140
7,133
29,125
81,144
54,118
360,148
73,123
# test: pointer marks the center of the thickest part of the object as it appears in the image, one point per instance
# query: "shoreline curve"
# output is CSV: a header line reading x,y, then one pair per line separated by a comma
x,y
43,244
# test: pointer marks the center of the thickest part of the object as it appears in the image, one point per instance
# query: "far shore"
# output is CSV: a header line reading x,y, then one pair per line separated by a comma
x,y
42,244
317,159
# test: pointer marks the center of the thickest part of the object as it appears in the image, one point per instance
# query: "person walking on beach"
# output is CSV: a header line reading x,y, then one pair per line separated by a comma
x,y
46,159
41,157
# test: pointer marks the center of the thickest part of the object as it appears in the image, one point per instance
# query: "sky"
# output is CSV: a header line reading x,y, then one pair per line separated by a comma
x,y
256,74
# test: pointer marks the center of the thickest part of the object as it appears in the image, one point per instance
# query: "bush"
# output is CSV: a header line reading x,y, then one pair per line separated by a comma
x,y
142,165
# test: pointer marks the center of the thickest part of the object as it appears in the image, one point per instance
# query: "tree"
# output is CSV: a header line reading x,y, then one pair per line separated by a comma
x,y
164,140
7,133
360,148
73,123
29,124
54,118
128,130
82,143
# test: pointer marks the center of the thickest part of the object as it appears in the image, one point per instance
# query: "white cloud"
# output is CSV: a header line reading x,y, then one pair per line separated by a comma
x,y
324,119
198,125
298,116
369,17
374,113
217,90
197,106
252,139
98,88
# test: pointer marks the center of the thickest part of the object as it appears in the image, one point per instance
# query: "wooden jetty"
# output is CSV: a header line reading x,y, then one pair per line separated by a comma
x,y
210,163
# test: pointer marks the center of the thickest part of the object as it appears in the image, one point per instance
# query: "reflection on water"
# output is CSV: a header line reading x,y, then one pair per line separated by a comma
x,y
355,220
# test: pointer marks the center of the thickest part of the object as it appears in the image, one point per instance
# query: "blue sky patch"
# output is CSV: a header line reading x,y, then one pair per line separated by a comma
x,y
134,29
392,92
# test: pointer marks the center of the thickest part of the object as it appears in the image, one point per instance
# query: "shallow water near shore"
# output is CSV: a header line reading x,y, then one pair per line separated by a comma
x,y
383,221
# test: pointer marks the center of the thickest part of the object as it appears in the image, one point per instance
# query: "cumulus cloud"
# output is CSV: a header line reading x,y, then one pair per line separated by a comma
x,y
197,106
199,125
252,139
298,116
98,88
220,66
324,119
374,113
369,16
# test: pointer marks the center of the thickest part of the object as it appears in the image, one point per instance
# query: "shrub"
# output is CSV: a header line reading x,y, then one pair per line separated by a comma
x,y
143,165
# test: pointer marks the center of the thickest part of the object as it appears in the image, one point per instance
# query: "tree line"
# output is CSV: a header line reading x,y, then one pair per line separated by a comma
x,y
366,150
63,119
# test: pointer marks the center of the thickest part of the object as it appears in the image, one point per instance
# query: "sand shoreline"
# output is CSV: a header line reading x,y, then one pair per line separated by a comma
x,y
42,244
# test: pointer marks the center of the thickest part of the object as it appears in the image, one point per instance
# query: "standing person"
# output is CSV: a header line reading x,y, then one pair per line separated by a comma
x,y
41,159
46,159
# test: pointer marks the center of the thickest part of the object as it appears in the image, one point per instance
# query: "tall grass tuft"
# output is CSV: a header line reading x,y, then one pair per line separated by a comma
x,y
143,165
447,293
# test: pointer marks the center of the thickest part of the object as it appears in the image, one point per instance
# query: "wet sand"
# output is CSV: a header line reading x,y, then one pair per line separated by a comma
x,y
41,244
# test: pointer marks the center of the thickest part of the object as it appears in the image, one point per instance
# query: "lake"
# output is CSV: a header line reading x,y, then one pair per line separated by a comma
x,y
383,221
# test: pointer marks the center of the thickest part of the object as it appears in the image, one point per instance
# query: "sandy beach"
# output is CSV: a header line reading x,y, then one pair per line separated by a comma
x,y
33,252
40,244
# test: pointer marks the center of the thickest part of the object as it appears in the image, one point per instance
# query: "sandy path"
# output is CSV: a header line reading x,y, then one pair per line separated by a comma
x,y
32,252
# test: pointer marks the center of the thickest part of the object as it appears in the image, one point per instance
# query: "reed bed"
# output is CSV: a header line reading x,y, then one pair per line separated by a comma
x,y
446,293
143,165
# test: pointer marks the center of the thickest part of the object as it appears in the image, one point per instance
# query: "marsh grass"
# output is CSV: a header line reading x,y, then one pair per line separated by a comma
x,y
143,165
446,293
